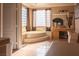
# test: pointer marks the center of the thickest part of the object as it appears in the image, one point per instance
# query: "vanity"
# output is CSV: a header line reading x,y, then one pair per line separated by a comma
x,y
60,33
5,48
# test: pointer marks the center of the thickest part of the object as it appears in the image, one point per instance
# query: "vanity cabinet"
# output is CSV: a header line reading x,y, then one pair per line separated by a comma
x,y
5,48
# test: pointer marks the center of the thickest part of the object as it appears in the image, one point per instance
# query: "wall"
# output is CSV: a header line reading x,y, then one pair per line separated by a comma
x,y
57,9
77,18
76,25
12,24
9,22
70,9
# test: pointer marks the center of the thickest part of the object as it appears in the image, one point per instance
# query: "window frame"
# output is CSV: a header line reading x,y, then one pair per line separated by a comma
x,y
45,18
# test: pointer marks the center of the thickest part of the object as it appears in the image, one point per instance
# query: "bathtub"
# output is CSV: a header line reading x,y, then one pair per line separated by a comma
x,y
35,36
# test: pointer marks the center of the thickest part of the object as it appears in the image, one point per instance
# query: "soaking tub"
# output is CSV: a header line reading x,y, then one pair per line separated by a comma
x,y
34,36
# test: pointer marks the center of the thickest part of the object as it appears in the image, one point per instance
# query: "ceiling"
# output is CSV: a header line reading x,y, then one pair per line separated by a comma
x,y
46,5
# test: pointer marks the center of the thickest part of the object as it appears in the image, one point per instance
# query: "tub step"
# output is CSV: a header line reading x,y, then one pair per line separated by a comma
x,y
31,40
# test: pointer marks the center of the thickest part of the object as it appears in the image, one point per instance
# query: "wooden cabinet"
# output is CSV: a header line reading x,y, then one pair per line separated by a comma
x,y
3,50
4,47
55,32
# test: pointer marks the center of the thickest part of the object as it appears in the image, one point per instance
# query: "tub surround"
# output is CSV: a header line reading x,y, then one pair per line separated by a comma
x,y
35,36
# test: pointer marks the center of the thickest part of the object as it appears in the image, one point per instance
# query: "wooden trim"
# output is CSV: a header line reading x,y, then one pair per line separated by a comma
x,y
1,19
42,9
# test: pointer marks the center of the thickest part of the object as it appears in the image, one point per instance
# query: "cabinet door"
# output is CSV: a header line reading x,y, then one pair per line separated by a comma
x,y
3,50
55,35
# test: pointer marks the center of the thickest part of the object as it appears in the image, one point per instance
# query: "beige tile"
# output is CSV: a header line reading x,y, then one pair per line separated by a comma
x,y
35,49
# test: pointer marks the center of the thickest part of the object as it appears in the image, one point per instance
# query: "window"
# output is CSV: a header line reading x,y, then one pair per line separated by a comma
x,y
41,18
24,19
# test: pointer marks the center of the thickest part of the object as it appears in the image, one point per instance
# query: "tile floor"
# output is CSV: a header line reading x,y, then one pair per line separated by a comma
x,y
35,49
